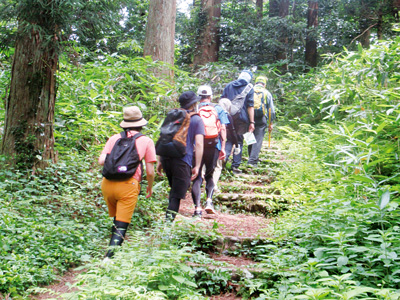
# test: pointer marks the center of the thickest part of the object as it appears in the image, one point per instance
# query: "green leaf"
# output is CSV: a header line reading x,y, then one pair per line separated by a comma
x,y
381,126
384,200
363,179
180,279
342,261
190,283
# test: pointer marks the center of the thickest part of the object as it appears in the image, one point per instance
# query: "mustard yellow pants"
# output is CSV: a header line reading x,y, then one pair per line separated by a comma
x,y
121,198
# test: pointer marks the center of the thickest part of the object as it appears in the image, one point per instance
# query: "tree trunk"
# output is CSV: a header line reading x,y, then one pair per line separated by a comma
x,y
280,8
396,9
379,25
273,8
208,43
311,39
160,34
365,33
28,133
259,8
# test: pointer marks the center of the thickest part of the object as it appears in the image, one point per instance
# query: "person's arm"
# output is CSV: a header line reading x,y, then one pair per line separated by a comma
x,y
199,140
159,166
250,112
222,153
150,178
272,107
102,159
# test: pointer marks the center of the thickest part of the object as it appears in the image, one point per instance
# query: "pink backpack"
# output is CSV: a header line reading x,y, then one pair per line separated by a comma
x,y
212,124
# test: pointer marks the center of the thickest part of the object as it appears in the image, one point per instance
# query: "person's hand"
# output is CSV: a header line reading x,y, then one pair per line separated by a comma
x,y
222,154
149,192
195,172
252,127
159,169
237,150
270,127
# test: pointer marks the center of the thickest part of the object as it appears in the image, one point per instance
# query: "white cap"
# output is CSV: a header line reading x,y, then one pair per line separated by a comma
x,y
246,76
204,90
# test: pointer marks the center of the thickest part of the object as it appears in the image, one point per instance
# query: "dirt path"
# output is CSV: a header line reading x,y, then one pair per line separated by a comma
x,y
249,191
236,225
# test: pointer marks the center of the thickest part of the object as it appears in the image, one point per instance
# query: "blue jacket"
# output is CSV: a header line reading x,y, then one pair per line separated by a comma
x,y
235,88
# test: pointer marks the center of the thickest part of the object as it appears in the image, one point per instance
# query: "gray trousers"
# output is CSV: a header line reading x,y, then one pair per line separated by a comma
x,y
254,150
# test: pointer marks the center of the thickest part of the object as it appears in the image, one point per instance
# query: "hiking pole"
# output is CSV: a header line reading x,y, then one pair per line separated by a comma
x,y
269,125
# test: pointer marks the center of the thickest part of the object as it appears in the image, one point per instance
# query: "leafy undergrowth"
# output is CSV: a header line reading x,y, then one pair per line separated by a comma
x,y
341,244
54,220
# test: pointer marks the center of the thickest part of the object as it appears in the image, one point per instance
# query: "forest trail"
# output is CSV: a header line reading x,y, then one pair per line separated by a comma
x,y
249,192
245,205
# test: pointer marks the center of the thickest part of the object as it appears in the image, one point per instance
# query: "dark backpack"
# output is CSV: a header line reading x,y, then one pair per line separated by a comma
x,y
173,134
123,161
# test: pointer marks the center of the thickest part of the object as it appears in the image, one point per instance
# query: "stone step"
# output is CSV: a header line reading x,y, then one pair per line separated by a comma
x,y
267,205
255,178
232,187
237,272
247,197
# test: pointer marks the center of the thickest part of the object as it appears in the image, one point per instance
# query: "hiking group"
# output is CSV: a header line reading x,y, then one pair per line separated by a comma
x,y
196,140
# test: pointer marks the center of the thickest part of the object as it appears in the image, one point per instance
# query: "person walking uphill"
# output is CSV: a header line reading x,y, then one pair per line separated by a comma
x,y
231,136
214,119
122,172
240,92
263,103
181,139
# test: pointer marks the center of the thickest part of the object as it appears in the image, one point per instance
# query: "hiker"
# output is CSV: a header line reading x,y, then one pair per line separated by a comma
x,y
120,194
240,92
181,170
214,119
231,135
263,101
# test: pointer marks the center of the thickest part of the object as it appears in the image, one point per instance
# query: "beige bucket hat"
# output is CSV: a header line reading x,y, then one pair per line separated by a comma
x,y
132,117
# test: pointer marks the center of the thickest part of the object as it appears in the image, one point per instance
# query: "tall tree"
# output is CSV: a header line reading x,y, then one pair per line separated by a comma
x,y
259,8
160,34
43,27
311,38
280,8
208,41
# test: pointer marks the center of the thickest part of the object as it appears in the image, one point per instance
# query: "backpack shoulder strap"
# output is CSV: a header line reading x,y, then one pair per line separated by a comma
x,y
137,135
247,89
124,134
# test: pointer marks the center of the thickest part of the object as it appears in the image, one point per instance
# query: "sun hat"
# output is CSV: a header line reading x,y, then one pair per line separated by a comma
x,y
132,117
226,104
261,79
246,75
204,90
187,99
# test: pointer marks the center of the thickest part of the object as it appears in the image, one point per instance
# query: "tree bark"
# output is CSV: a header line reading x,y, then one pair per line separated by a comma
x,y
273,8
160,34
259,8
280,8
379,25
365,33
396,9
208,43
28,132
311,39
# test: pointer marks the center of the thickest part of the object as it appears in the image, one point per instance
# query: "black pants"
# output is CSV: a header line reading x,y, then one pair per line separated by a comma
x,y
178,173
209,160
